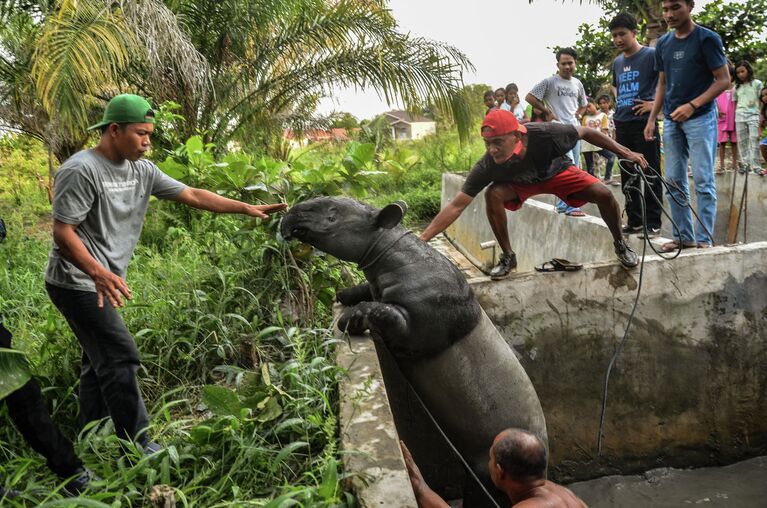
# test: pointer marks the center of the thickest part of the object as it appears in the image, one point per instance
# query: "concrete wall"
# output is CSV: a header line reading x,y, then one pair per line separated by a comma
x,y
533,227
368,435
757,206
690,388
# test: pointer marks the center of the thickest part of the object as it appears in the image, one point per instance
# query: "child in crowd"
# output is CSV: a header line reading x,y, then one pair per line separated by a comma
x,y
605,106
500,97
725,104
513,103
747,92
516,107
763,126
599,120
489,100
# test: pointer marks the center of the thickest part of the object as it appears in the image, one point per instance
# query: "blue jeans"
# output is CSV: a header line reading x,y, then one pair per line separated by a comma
x,y
693,140
575,155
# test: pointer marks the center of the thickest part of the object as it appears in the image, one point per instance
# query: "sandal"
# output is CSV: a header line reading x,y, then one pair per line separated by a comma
x,y
559,265
674,245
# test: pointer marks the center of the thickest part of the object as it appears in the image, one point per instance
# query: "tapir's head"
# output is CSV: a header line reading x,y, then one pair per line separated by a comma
x,y
342,227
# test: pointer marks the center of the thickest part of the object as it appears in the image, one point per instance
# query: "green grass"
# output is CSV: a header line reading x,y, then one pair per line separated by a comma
x,y
208,310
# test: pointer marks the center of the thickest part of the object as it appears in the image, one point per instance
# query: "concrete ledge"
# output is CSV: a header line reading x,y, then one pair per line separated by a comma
x,y
690,388
368,436
538,233
757,205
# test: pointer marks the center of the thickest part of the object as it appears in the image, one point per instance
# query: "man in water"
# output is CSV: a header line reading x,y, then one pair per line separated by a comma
x,y
517,463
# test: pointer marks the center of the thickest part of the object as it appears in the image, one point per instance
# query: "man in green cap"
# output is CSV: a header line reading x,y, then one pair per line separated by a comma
x,y
100,200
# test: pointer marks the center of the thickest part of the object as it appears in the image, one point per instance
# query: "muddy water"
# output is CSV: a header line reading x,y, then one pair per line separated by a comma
x,y
740,485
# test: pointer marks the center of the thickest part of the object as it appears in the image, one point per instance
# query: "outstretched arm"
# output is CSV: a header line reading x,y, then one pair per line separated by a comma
x,y
212,202
595,137
446,216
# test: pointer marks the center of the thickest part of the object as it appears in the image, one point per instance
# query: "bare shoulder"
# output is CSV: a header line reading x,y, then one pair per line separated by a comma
x,y
552,496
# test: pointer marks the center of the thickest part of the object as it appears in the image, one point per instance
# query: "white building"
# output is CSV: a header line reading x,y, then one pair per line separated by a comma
x,y
406,126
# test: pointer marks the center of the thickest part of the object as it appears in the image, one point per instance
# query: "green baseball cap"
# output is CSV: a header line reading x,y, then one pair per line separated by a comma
x,y
126,108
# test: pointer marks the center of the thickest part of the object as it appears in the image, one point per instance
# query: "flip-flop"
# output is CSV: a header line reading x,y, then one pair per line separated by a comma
x,y
673,245
575,213
558,265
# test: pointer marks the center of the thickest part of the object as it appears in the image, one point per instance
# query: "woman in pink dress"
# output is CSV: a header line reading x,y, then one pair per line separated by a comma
x,y
725,104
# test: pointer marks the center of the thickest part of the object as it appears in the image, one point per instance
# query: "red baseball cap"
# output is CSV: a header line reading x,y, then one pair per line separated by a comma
x,y
499,122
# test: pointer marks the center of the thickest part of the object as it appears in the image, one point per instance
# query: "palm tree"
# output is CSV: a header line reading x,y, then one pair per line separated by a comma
x,y
239,68
57,59
271,60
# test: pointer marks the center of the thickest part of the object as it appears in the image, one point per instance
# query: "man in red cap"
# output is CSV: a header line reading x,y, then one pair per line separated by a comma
x,y
526,160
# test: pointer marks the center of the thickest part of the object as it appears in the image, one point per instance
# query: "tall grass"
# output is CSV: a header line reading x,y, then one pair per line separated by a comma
x,y
233,329
218,303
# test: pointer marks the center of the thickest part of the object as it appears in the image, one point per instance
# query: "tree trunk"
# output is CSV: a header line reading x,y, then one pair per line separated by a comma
x,y
656,26
50,176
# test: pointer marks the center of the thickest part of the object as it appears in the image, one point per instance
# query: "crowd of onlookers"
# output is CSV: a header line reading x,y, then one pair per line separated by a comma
x,y
703,102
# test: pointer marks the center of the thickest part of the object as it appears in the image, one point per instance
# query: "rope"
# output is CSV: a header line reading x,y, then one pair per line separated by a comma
x,y
637,176
384,251
451,445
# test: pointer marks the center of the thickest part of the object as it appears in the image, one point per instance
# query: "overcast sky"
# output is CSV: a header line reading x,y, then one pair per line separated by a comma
x,y
509,44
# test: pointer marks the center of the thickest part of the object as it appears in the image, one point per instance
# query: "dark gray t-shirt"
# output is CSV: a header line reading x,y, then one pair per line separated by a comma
x,y
548,144
107,202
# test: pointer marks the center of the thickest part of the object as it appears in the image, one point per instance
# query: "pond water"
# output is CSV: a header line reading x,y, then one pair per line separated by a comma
x,y
741,485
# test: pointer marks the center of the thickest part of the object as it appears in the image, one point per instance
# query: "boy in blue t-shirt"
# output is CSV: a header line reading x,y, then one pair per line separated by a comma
x,y
692,72
634,80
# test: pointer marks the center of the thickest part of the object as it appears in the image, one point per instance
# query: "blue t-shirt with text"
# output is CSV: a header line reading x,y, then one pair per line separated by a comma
x,y
634,78
688,65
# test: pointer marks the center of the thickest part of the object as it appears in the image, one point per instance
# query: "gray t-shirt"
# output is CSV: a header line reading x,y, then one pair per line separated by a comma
x,y
107,202
563,96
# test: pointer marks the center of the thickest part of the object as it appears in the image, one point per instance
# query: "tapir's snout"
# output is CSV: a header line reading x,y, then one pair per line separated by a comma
x,y
290,226
287,230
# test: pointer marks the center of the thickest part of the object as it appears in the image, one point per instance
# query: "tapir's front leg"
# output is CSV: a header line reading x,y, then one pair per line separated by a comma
x,y
382,319
354,295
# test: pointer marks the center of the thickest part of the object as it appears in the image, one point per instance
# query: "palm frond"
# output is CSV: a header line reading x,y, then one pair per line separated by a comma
x,y
171,56
353,44
82,49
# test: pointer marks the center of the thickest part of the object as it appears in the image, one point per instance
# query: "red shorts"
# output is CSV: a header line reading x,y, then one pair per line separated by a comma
x,y
570,181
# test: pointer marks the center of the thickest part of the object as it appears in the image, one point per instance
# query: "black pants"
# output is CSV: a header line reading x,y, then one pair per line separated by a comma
x,y
108,385
631,135
30,415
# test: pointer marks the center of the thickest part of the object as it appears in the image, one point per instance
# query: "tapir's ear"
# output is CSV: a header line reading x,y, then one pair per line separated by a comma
x,y
391,215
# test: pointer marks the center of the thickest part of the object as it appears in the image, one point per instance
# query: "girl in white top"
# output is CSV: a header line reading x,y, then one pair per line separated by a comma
x,y
747,91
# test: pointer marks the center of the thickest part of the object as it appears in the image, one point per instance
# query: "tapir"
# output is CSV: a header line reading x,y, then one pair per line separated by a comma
x,y
419,305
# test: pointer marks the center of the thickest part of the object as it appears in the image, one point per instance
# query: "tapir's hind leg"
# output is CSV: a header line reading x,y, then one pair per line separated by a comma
x,y
382,319
354,295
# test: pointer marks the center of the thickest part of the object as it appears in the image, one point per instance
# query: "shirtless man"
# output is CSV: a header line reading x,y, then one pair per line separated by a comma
x,y
517,467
